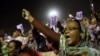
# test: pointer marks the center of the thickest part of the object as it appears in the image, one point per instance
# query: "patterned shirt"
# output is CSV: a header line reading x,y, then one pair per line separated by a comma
x,y
65,50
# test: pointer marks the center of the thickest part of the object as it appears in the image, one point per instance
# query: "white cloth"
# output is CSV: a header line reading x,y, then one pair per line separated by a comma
x,y
24,40
8,38
32,45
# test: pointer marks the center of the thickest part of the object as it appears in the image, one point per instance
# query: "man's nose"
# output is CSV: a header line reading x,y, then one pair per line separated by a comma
x,y
66,32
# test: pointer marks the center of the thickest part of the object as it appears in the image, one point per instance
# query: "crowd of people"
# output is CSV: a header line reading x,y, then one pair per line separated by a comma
x,y
74,38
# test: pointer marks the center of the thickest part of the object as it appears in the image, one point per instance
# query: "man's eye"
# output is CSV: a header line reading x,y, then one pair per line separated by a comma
x,y
73,28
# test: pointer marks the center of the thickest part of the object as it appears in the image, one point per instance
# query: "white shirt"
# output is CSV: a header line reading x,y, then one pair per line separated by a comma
x,y
24,40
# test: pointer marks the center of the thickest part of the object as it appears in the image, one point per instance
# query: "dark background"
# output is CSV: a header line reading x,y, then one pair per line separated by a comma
x,y
10,10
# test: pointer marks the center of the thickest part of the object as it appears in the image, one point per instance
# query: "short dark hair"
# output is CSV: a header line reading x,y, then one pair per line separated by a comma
x,y
18,44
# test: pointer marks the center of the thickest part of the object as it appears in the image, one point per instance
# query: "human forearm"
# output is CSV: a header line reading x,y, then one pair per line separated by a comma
x,y
46,31
39,26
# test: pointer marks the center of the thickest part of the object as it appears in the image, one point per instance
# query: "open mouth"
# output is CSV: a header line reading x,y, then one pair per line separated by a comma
x,y
67,37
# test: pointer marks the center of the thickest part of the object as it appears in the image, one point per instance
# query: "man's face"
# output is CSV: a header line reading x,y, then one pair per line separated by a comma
x,y
11,47
93,21
72,33
15,33
85,21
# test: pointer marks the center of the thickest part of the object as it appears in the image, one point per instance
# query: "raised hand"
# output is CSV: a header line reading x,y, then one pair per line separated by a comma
x,y
26,14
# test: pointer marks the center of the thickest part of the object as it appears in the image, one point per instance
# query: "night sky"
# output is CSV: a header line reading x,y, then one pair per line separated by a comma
x,y
10,10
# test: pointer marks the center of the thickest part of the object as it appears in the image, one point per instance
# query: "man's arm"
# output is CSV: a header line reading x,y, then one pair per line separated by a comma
x,y
54,36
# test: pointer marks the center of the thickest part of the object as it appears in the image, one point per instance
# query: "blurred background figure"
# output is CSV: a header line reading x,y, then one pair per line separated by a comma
x,y
14,48
3,44
71,42
31,41
17,35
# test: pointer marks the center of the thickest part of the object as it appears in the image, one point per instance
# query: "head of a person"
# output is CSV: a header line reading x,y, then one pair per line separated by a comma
x,y
59,26
72,32
17,32
14,47
85,21
93,20
30,35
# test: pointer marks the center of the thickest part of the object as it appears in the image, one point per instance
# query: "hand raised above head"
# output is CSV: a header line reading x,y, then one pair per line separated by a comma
x,y
26,14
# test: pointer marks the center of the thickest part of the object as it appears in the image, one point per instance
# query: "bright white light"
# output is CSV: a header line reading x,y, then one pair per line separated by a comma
x,y
70,15
92,4
53,13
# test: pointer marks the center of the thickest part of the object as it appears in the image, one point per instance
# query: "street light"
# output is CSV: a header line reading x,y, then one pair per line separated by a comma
x,y
53,13
53,17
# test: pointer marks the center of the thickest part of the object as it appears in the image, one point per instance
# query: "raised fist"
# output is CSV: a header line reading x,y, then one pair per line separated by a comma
x,y
26,14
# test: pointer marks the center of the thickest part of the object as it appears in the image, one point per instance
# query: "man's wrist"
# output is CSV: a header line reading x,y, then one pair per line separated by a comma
x,y
31,19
